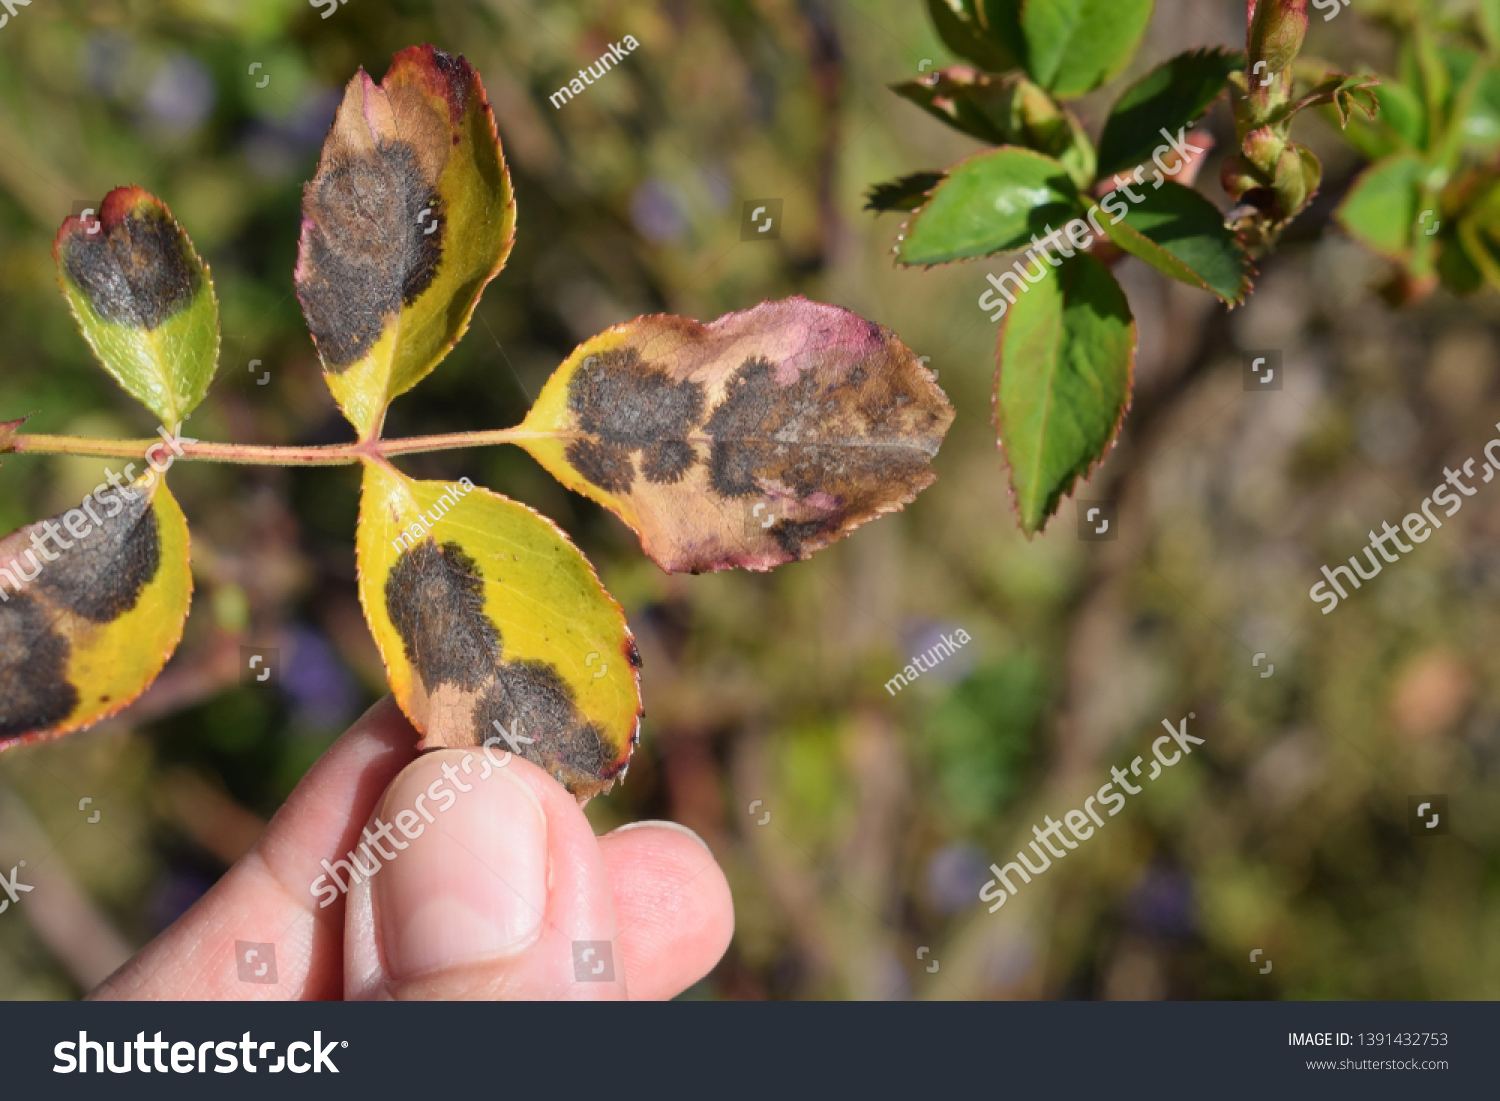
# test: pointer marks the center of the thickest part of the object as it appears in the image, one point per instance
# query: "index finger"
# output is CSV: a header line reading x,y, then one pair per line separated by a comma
x,y
267,896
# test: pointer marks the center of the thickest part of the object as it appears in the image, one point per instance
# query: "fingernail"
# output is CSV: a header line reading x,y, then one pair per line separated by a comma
x,y
661,823
473,884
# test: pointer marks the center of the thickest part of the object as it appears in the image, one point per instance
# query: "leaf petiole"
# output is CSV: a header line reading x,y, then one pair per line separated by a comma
x,y
325,455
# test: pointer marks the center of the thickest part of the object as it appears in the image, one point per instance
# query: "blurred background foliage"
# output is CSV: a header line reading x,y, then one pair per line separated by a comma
x,y
1285,832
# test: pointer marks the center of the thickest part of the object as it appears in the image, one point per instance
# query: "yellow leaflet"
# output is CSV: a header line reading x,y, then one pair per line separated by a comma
x,y
409,216
84,632
486,614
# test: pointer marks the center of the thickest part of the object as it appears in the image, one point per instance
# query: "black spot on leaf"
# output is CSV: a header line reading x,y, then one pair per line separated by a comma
x,y
818,435
607,465
632,406
101,575
435,598
138,272
373,238
531,699
34,691
666,462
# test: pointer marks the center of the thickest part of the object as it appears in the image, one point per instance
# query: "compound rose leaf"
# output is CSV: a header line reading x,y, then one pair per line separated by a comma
x,y
143,299
409,216
1066,352
751,441
92,604
493,626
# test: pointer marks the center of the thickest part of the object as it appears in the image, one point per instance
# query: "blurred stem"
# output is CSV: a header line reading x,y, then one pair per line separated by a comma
x,y
329,455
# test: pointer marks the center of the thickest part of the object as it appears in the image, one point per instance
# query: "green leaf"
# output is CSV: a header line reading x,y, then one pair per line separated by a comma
x,y
87,623
1481,123
143,299
1181,234
1488,16
958,25
1343,91
1008,110
1457,269
1001,19
486,614
992,202
409,216
1381,208
751,441
1073,46
1479,238
1171,97
1066,352
907,193
1401,112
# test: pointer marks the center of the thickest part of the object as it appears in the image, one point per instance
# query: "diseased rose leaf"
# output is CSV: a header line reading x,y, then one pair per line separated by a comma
x,y
1066,352
410,214
751,441
485,613
143,299
88,620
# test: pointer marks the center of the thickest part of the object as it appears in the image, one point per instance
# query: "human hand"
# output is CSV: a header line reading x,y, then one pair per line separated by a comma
x,y
484,902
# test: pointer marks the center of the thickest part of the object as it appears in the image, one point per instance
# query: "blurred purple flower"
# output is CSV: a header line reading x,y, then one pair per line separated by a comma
x,y
656,212
174,893
1162,902
920,636
181,94
322,692
954,875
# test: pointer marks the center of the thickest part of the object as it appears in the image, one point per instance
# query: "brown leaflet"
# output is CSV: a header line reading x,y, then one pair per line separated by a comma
x,y
755,440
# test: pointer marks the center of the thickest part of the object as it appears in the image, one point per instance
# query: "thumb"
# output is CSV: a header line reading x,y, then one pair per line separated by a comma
x,y
492,875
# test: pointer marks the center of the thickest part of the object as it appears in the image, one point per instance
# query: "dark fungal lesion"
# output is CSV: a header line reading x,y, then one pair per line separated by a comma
x,y
627,405
435,598
101,577
531,699
370,249
139,272
818,435
34,690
